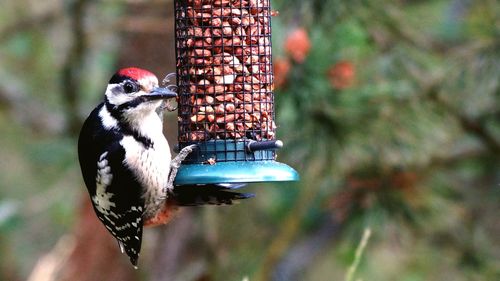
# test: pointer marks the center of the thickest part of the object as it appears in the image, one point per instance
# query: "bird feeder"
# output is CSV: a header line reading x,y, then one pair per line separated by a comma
x,y
225,87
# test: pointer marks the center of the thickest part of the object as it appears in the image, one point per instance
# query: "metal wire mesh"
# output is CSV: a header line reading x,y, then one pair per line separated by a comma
x,y
224,78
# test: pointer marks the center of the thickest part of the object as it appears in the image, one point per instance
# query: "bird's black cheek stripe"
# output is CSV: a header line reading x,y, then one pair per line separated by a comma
x,y
116,112
130,104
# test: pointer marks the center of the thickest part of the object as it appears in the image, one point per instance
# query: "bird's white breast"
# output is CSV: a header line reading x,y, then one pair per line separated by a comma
x,y
151,165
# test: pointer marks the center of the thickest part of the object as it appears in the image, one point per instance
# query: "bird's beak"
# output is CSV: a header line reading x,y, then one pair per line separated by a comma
x,y
160,93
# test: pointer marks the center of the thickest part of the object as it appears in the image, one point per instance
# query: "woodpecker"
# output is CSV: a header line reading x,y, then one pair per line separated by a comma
x,y
126,162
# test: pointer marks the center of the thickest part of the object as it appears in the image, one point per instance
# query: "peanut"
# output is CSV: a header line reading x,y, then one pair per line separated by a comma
x,y
224,64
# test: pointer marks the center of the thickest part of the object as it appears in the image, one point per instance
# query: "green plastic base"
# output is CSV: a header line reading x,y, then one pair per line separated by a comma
x,y
235,172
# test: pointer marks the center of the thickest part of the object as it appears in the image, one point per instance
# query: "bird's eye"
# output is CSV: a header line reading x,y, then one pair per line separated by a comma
x,y
130,87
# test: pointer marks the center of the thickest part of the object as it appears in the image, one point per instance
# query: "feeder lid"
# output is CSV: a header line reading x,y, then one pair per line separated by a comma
x,y
235,172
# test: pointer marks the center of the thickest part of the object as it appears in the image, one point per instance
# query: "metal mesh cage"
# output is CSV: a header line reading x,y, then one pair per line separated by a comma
x,y
225,79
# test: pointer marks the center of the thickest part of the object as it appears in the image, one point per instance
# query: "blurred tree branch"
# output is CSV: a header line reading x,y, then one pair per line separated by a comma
x,y
28,110
73,67
472,126
147,24
432,88
89,253
34,21
171,246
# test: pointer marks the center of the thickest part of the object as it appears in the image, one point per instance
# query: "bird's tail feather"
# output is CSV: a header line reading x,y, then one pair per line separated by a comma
x,y
208,194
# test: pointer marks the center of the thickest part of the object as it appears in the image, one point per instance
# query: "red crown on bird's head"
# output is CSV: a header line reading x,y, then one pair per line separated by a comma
x,y
135,73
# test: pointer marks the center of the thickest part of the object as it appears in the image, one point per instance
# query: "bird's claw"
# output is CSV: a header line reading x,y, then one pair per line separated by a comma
x,y
176,163
170,77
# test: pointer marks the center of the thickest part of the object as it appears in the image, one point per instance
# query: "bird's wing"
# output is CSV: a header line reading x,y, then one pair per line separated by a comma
x,y
118,199
115,193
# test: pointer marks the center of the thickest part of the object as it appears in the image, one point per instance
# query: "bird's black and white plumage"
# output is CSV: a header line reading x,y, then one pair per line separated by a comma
x,y
126,161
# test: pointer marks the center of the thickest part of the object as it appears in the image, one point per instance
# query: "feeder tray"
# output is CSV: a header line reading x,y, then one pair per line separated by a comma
x,y
225,86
